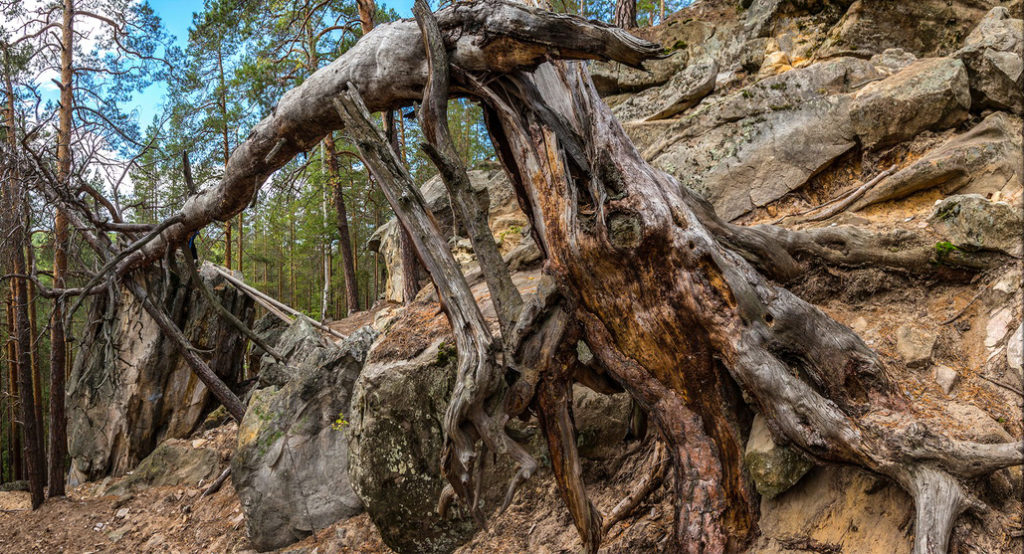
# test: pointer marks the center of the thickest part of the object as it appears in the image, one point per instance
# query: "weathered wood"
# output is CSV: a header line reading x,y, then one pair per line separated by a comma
x,y
478,375
275,304
610,223
210,298
472,207
502,36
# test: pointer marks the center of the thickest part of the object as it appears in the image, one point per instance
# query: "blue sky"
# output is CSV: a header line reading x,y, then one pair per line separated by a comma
x,y
177,18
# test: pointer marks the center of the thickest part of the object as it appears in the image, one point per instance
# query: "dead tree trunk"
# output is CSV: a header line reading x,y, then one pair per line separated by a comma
x,y
671,300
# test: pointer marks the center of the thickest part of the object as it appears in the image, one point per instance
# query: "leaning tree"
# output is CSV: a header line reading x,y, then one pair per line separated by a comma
x,y
681,309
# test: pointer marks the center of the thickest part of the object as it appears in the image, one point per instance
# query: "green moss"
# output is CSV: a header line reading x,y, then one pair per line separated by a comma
x,y
446,353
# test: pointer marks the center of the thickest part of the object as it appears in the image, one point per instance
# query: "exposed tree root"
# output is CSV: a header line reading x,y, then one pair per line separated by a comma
x,y
643,489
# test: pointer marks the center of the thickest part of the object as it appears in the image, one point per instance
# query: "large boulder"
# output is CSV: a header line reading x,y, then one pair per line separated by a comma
x,y
290,467
923,27
973,222
174,463
130,388
395,434
992,54
395,440
928,94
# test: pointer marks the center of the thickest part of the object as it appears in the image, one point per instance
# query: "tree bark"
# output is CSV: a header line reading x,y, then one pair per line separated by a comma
x,y
58,345
344,238
16,238
625,14
659,287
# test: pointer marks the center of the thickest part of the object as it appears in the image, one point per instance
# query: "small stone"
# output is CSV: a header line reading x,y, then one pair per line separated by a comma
x,y
914,345
998,325
946,377
859,325
119,533
122,513
1014,348
773,468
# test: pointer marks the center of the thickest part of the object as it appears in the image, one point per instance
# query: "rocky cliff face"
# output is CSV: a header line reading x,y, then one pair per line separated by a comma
x,y
801,84
508,224
130,389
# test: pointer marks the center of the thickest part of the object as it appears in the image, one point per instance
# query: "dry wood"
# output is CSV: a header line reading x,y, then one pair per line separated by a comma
x,y
275,303
643,489
467,419
304,115
211,299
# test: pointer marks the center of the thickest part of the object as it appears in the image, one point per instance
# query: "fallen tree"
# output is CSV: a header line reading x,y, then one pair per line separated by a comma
x,y
676,305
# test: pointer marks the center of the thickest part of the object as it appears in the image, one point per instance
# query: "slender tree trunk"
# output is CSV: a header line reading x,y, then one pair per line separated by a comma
x,y
625,14
14,430
58,345
225,144
37,374
344,239
16,237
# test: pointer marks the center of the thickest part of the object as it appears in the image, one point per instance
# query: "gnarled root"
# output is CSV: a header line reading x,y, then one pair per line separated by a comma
x,y
643,489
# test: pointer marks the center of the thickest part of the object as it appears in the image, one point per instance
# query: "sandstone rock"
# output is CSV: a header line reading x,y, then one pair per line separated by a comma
x,y
616,78
922,27
682,91
946,377
975,424
774,63
752,55
759,17
302,345
928,94
507,222
290,468
395,440
984,160
914,345
173,463
771,136
601,422
840,509
971,221
127,395
773,468
893,60
999,323
992,54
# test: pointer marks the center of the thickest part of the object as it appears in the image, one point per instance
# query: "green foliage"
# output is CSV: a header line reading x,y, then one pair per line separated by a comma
x,y
943,249
340,423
